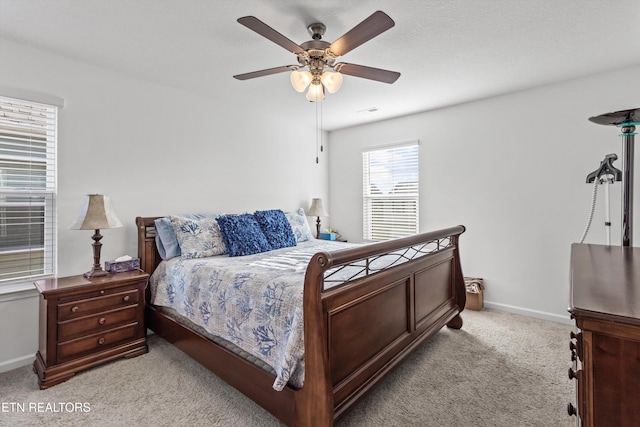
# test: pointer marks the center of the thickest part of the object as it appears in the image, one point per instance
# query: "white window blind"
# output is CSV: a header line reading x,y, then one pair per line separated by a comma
x,y
390,192
27,189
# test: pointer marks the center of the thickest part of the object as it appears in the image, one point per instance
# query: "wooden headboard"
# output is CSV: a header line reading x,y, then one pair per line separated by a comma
x,y
147,251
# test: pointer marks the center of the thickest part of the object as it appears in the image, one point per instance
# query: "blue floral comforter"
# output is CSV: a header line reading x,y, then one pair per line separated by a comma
x,y
252,301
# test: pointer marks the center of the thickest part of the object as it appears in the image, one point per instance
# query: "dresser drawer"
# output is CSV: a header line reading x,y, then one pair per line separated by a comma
x,y
82,307
87,325
97,342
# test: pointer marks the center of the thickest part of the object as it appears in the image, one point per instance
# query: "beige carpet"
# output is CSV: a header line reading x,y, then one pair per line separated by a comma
x,y
499,370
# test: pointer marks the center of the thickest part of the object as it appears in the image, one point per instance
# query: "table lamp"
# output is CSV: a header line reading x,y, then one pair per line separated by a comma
x,y
96,214
317,210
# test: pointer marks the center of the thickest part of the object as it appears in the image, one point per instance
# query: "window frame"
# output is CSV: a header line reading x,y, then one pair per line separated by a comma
x,y
28,139
408,197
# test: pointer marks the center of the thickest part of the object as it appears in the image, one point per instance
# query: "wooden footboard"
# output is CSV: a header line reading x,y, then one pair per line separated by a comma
x,y
362,329
355,331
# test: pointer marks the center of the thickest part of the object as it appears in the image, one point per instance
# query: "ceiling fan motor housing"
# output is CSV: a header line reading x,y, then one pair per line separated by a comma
x,y
316,55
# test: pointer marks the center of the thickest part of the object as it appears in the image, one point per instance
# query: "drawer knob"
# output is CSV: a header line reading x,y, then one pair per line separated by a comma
x,y
125,298
572,374
74,308
102,292
101,340
102,320
573,335
571,410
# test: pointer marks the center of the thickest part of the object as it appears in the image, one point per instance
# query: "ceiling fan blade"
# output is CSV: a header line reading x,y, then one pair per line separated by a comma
x,y
370,73
375,24
253,23
268,71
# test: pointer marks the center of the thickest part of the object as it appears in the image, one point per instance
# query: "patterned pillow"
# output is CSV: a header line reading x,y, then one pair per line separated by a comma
x,y
299,225
242,235
166,239
276,228
198,238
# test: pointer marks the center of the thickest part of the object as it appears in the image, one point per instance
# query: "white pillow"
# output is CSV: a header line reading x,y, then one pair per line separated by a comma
x,y
300,225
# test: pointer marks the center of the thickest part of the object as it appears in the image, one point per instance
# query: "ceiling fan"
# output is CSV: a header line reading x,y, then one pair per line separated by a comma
x,y
320,56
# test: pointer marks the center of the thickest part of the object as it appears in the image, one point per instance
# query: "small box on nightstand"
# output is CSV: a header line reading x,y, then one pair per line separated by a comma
x,y
122,266
328,236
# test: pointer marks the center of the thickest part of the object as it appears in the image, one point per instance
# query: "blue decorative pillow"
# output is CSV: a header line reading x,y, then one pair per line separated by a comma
x,y
276,228
242,235
299,225
166,239
198,238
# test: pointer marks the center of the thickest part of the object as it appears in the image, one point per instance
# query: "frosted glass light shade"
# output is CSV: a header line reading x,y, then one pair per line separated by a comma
x,y
331,80
315,93
300,80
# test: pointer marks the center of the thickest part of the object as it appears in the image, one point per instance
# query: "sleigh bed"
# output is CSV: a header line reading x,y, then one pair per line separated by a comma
x,y
365,309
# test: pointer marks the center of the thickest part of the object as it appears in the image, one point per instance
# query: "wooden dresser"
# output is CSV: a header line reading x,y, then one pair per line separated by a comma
x,y
85,322
605,303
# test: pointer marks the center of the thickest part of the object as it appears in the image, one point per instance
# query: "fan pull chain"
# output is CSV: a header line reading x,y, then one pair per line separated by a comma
x,y
318,130
321,145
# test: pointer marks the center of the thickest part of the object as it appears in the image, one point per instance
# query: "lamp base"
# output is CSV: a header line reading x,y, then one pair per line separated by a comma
x,y
95,273
318,228
96,270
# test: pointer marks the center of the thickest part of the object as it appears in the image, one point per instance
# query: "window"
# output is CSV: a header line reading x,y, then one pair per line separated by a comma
x,y
390,192
27,189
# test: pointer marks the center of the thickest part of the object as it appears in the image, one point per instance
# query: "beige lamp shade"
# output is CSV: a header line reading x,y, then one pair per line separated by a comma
x,y
96,214
317,209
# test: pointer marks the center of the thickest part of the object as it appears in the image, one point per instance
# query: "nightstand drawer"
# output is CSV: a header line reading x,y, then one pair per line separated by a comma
x,y
76,328
97,342
83,307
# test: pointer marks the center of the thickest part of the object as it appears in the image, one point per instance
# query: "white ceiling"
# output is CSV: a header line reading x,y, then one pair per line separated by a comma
x,y
448,51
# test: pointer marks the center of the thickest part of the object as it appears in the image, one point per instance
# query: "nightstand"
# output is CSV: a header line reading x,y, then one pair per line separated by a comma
x,y
86,322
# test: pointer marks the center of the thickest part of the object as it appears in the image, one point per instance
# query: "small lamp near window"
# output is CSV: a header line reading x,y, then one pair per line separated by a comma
x,y
96,214
317,210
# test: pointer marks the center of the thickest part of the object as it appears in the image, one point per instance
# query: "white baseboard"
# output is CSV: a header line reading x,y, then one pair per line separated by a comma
x,y
18,362
528,312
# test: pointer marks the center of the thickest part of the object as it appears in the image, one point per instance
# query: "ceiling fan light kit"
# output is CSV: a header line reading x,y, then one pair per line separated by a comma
x,y
331,80
300,80
317,57
316,92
